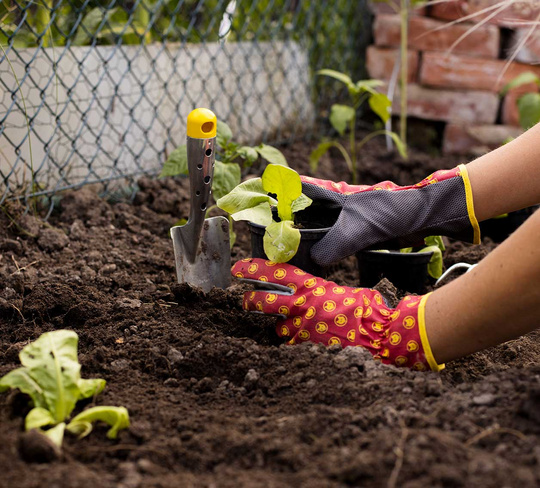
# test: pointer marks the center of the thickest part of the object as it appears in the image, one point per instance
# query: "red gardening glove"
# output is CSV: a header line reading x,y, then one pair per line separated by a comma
x,y
318,310
388,216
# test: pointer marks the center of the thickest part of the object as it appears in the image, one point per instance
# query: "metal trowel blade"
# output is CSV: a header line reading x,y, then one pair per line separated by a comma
x,y
212,264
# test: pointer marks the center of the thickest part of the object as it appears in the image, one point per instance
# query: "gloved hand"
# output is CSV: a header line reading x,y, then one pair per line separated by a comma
x,y
318,310
391,216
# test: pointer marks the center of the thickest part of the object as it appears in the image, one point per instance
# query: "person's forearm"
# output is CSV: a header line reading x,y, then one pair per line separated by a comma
x,y
507,178
496,301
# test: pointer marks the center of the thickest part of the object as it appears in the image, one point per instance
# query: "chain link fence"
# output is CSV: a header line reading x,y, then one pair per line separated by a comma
x,y
97,91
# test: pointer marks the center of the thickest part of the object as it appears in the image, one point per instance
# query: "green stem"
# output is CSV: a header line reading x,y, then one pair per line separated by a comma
x,y
371,136
352,144
404,75
345,155
42,20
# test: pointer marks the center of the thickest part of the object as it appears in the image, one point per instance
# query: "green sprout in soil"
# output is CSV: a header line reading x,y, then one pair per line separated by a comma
x,y
343,117
528,104
279,188
50,376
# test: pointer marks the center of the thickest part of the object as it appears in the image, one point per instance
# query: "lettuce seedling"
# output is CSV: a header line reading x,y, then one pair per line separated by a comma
x,y
279,188
50,376
435,245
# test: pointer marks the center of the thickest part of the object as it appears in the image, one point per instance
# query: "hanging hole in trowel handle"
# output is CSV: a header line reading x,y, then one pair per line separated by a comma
x,y
208,152
207,180
452,268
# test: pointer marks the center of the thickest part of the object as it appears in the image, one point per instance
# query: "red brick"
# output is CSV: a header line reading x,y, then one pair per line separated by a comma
x,y
530,52
463,72
380,63
483,42
378,8
473,107
510,114
476,140
517,11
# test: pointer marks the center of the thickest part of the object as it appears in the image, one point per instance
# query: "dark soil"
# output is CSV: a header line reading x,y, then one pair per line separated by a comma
x,y
214,399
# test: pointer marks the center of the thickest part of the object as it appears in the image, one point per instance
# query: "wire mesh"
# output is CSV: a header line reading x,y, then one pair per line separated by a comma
x,y
96,91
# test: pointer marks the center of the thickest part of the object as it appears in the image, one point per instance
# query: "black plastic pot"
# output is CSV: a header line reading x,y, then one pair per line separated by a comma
x,y
302,258
314,222
406,271
500,228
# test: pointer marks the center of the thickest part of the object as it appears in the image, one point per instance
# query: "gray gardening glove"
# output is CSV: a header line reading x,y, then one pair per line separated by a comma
x,y
388,216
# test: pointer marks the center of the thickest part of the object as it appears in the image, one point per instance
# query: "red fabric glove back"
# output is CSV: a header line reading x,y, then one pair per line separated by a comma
x,y
322,311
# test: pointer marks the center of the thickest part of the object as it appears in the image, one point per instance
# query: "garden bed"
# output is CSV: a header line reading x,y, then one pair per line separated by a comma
x,y
214,399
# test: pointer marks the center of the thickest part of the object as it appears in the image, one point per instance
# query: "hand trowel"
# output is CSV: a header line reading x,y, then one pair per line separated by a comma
x,y
201,247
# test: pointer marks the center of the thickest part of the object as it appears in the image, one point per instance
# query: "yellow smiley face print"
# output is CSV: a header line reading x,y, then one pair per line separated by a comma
x,y
351,335
280,273
338,290
367,312
340,320
285,331
395,338
284,310
303,334
299,272
297,321
310,282
329,306
270,298
412,346
252,268
409,322
334,340
300,301
321,327
319,291
310,312
401,361
349,301
377,326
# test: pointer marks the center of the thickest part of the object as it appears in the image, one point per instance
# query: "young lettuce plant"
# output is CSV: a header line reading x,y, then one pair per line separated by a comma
x,y
343,117
50,376
435,245
280,189
528,105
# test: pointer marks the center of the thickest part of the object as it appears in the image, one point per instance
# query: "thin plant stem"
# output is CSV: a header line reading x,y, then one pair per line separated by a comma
x,y
352,144
371,136
345,155
404,69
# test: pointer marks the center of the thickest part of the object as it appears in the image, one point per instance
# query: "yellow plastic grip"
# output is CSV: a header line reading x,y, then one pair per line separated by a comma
x,y
201,124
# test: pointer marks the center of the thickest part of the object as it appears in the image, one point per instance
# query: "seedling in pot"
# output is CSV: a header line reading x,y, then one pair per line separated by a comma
x,y
50,376
279,190
435,245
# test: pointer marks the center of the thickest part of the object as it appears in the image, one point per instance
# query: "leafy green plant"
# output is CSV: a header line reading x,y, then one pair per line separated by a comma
x,y
343,117
435,245
528,104
50,376
279,188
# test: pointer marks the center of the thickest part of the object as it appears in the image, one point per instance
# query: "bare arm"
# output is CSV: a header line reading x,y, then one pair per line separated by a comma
x,y
507,178
496,301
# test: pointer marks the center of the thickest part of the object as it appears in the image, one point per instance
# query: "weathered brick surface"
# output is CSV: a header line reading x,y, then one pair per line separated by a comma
x,y
463,72
483,42
472,107
530,52
378,8
514,12
510,114
476,140
380,63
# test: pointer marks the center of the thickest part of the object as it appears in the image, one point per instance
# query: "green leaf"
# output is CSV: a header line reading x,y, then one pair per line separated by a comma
x,y
318,153
368,85
337,76
91,387
90,24
529,109
223,133
259,214
38,417
246,195
21,378
116,417
380,104
341,116
435,264
522,79
402,148
286,184
302,202
406,250
271,154
52,362
435,241
177,163
55,434
281,241
248,153
226,177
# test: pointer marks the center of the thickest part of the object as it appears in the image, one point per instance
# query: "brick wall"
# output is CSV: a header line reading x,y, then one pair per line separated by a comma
x,y
461,87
